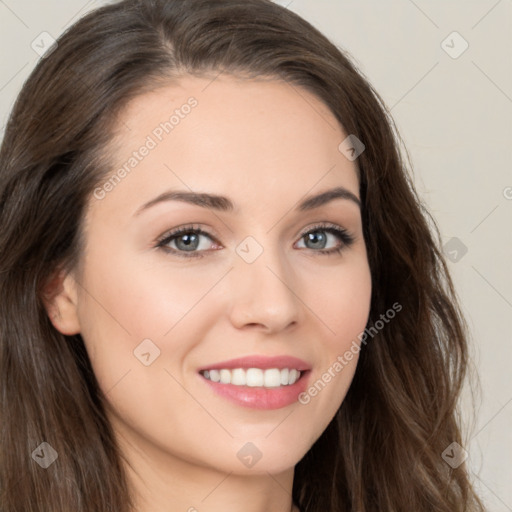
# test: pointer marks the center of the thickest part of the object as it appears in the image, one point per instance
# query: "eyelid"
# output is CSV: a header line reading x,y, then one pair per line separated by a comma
x,y
322,226
186,228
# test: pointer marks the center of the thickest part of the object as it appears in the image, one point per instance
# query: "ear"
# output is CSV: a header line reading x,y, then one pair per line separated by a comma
x,y
60,297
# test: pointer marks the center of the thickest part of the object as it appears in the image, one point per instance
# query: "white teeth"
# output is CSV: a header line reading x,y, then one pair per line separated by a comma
x,y
293,376
214,375
254,377
272,378
238,377
225,376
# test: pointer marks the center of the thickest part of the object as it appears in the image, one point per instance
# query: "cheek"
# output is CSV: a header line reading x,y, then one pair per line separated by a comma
x,y
136,301
124,306
342,304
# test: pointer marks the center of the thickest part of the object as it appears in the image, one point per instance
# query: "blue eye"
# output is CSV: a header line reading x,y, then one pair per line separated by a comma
x,y
185,240
189,241
320,236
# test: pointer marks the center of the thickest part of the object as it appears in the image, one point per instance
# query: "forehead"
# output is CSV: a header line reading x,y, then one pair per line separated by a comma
x,y
230,133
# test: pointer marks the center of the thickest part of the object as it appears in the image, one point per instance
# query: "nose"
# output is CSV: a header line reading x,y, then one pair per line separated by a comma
x,y
264,294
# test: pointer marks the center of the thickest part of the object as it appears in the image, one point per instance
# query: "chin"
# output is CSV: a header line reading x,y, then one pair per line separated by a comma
x,y
268,453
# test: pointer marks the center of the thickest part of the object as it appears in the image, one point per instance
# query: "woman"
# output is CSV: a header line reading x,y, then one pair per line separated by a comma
x,y
219,288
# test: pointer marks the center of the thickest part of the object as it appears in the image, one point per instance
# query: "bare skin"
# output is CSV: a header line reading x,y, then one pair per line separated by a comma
x,y
266,146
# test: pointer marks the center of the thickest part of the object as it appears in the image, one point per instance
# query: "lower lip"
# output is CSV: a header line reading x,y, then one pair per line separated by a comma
x,y
260,397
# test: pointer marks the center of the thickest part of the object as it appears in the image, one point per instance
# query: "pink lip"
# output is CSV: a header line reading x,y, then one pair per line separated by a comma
x,y
263,362
260,397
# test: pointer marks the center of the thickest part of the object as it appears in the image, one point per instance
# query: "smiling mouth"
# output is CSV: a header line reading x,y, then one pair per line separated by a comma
x,y
254,377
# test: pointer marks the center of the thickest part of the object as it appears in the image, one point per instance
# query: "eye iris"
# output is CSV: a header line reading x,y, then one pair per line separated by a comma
x,y
190,241
317,238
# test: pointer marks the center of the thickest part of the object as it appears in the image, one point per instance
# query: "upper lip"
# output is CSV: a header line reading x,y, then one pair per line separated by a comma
x,y
259,361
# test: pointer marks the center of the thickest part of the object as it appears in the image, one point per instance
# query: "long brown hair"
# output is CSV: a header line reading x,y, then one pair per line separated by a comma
x,y
383,449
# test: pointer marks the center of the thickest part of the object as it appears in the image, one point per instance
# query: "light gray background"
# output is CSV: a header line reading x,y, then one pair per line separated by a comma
x,y
454,115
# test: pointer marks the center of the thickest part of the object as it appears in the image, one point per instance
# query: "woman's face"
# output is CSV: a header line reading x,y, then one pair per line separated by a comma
x,y
267,275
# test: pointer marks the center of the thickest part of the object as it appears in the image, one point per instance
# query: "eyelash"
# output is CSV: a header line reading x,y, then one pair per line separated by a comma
x,y
346,239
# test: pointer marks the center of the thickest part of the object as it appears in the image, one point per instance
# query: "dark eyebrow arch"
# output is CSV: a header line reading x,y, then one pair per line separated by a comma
x,y
211,201
222,203
324,197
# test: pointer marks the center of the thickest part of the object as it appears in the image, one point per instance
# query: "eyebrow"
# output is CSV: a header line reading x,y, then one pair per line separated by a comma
x,y
222,203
